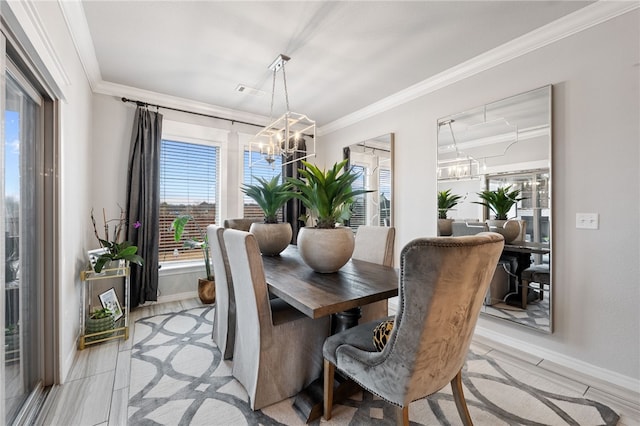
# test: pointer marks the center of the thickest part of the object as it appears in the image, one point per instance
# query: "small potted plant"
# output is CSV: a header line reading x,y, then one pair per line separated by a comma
x,y
99,321
500,203
446,201
328,196
206,286
116,249
270,195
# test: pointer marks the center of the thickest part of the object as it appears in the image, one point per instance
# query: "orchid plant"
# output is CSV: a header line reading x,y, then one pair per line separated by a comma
x,y
116,248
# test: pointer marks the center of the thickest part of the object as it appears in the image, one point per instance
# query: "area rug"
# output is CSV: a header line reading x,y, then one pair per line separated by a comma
x,y
178,378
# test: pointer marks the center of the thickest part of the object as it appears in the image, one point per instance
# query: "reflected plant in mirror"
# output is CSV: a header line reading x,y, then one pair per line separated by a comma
x,y
506,146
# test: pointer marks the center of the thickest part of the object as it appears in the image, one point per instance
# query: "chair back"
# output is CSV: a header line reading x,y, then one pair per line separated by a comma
x,y
468,228
443,282
241,224
224,325
374,244
252,304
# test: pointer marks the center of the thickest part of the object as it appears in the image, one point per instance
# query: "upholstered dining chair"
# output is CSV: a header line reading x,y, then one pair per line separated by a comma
x,y
537,274
241,224
278,350
443,281
374,244
224,322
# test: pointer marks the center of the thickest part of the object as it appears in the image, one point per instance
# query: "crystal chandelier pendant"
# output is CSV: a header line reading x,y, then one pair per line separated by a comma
x,y
291,136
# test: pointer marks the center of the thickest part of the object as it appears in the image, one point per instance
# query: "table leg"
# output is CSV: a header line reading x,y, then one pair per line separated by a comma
x,y
345,320
309,401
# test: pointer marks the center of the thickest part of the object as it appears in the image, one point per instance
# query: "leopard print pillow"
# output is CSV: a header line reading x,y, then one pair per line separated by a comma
x,y
381,334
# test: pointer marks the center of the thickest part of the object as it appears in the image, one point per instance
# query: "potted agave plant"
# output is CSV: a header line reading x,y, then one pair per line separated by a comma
x,y
270,195
446,201
328,196
199,240
500,203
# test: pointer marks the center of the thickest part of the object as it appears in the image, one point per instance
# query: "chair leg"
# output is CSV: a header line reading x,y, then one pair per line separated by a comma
x,y
402,416
458,397
525,293
329,371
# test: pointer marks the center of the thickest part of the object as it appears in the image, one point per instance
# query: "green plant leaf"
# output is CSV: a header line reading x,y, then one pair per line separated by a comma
x,y
327,194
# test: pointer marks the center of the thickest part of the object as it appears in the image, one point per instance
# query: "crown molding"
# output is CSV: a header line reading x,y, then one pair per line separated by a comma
x,y
587,17
76,21
566,26
119,90
27,16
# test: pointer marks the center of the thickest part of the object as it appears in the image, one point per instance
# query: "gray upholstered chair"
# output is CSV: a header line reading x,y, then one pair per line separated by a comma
x,y
537,274
468,228
443,281
241,224
278,350
374,244
224,322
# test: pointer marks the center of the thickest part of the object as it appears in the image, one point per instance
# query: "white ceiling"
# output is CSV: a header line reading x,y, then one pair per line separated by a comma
x,y
344,55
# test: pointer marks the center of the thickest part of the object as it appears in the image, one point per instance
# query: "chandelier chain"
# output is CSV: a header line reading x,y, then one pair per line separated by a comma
x,y
273,94
286,92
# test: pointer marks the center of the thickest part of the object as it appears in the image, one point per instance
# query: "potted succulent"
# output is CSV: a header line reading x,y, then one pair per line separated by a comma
x,y
328,196
98,323
206,286
500,203
115,249
446,201
270,195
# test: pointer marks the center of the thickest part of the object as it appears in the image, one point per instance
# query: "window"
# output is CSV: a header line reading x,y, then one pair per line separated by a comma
x,y
384,192
189,175
359,208
263,170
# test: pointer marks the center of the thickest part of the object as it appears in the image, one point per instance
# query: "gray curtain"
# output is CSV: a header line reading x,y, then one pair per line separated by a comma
x,y
143,203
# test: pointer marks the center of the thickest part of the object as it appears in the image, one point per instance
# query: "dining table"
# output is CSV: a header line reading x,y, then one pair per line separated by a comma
x,y
340,294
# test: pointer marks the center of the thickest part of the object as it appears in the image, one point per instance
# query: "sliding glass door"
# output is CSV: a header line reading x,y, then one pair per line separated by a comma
x,y
22,290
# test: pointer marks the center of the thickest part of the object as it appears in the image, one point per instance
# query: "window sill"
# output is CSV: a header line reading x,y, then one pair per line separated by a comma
x,y
180,267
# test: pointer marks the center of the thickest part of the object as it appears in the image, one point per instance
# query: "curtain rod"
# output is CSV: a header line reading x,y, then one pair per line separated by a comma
x,y
145,104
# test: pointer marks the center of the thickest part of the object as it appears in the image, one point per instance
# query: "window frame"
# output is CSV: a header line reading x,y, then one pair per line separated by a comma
x,y
178,131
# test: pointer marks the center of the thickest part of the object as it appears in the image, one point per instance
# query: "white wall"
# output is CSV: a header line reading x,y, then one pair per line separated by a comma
x,y
596,114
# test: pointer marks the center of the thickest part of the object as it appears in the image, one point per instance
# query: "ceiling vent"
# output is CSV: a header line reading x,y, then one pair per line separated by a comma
x,y
242,88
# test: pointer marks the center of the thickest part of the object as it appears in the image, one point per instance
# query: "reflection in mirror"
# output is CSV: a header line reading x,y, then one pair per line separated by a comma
x,y
373,159
498,145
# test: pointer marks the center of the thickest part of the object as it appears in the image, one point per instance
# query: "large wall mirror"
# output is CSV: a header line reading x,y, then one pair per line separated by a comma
x,y
373,159
506,144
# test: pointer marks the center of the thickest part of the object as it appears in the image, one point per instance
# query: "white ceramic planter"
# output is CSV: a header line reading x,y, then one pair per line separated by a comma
x,y
444,227
326,250
272,238
510,229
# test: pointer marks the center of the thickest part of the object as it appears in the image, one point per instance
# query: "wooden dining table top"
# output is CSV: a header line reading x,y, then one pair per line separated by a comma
x,y
316,295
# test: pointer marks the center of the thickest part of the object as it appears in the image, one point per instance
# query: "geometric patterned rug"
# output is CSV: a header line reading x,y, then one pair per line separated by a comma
x,y
178,378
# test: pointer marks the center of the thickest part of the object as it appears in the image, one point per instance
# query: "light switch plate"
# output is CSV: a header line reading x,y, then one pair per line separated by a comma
x,y
587,220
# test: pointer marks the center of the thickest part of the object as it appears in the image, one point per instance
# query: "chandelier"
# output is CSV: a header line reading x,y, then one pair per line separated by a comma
x,y
285,136
462,167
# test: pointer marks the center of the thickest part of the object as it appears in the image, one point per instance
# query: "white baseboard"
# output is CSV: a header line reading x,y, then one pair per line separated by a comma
x,y
562,360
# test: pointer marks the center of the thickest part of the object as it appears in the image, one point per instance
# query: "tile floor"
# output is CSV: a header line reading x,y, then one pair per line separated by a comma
x,y
97,389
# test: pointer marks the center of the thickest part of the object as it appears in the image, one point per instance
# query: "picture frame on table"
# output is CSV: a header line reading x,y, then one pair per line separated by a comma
x,y
109,300
94,255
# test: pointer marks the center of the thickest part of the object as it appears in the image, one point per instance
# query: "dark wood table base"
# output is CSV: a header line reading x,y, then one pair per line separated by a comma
x,y
309,402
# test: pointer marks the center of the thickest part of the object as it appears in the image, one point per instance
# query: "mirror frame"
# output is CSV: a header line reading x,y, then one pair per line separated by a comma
x,y
346,151
544,164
